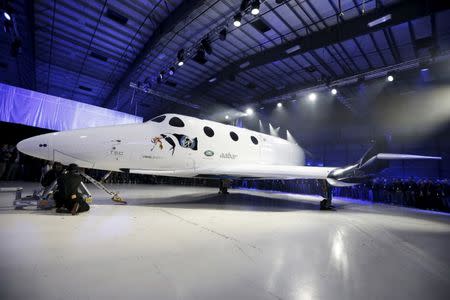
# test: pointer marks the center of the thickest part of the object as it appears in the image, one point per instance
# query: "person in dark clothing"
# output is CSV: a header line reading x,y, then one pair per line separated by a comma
x,y
48,184
68,185
52,175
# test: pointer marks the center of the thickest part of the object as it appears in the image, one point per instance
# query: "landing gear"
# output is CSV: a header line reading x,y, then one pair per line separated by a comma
x,y
325,204
223,186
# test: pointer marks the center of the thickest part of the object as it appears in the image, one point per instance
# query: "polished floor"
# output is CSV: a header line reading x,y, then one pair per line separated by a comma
x,y
247,245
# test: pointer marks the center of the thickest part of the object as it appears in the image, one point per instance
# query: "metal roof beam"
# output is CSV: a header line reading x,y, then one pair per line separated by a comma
x,y
400,13
166,26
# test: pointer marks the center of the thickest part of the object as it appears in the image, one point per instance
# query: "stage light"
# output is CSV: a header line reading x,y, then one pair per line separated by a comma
x,y
279,104
312,97
249,111
333,91
424,69
223,34
206,44
227,117
237,20
390,78
255,7
200,56
171,71
180,57
7,16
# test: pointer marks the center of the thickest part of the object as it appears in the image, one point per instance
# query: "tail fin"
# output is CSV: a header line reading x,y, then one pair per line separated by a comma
x,y
372,162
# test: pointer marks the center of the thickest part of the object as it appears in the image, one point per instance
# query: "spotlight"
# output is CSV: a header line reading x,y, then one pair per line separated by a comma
x,y
390,78
279,104
171,71
200,57
237,20
160,77
249,111
7,16
180,57
333,91
223,34
227,117
255,7
206,44
312,97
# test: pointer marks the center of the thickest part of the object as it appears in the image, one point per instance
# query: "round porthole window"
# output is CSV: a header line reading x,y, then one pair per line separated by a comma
x,y
254,140
208,131
234,136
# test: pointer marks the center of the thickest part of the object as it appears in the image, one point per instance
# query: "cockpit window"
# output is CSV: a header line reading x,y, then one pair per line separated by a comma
x,y
158,119
176,122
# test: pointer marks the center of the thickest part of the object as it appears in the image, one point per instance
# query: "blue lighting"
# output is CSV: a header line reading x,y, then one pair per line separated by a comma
x,y
7,16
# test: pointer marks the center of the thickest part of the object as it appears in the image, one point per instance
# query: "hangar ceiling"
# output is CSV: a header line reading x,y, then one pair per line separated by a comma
x,y
91,51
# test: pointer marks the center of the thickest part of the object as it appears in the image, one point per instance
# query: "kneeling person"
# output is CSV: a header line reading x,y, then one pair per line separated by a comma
x,y
73,199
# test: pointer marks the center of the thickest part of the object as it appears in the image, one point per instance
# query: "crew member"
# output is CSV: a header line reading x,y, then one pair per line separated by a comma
x,y
69,184
52,175
48,182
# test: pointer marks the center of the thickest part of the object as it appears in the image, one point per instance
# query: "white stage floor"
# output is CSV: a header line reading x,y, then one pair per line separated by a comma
x,y
253,245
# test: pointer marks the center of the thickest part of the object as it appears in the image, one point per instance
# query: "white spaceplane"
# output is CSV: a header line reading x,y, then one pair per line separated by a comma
x,y
182,146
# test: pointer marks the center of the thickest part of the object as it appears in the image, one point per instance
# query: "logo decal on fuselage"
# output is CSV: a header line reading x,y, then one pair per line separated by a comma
x,y
209,153
183,140
228,155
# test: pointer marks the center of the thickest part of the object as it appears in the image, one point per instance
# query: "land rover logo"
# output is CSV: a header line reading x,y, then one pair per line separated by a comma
x,y
209,153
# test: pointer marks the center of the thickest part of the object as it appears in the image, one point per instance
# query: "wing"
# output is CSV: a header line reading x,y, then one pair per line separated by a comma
x,y
256,171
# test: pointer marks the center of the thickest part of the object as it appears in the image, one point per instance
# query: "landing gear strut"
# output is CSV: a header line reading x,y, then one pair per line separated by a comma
x,y
325,204
223,186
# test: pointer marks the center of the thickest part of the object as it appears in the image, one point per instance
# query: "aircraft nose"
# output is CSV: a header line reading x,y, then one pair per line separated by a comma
x,y
37,146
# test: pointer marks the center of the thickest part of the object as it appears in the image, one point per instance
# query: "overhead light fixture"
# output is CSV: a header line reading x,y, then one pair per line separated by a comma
x,y
200,57
206,44
244,65
424,69
237,20
227,117
160,77
293,49
171,71
223,34
333,91
312,97
212,79
380,20
279,104
249,111
255,7
7,16
390,77
180,57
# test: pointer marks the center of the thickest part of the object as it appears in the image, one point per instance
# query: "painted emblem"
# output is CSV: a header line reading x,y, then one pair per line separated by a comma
x,y
183,140
228,155
209,153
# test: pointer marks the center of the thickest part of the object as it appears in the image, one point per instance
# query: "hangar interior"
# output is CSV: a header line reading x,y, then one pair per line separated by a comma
x,y
332,76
